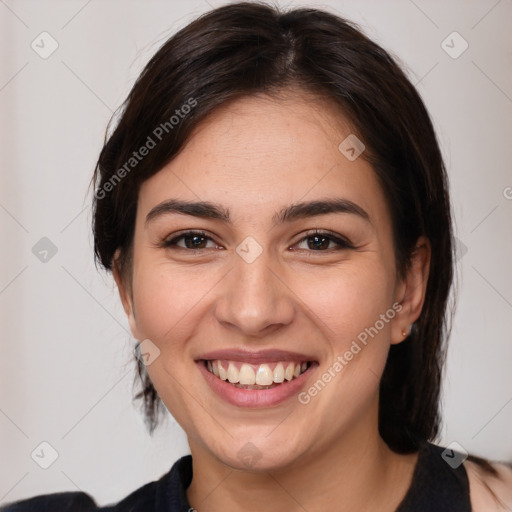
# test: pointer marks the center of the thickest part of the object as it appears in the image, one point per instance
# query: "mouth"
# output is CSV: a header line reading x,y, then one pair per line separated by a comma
x,y
245,375
256,379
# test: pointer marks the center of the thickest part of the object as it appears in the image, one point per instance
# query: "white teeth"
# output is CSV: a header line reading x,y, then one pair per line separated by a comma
x,y
223,374
261,375
288,373
264,375
233,373
247,375
279,373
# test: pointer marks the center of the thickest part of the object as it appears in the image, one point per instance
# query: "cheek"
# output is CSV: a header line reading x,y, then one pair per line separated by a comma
x,y
349,300
169,307
167,302
355,310
348,308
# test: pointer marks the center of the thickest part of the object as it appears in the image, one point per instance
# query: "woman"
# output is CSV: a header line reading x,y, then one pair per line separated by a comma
x,y
274,208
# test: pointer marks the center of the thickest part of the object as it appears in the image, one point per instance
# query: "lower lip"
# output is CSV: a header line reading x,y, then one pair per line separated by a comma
x,y
255,397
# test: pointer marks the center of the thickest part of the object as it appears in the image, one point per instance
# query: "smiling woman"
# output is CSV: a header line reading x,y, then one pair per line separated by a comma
x,y
284,255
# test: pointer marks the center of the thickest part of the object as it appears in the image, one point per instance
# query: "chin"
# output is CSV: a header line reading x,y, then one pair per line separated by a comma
x,y
269,451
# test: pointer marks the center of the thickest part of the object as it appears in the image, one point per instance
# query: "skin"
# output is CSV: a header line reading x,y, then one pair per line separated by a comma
x,y
255,157
480,483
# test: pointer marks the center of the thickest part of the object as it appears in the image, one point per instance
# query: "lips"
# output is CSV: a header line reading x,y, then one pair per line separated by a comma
x,y
255,379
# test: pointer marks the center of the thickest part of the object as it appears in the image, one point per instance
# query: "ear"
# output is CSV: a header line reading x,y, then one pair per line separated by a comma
x,y
410,291
125,293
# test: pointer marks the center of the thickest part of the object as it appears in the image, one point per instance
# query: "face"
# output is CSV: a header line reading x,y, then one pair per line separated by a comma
x,y
271,322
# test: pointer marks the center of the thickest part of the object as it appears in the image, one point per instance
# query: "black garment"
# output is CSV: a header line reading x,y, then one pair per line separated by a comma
x,y
435,487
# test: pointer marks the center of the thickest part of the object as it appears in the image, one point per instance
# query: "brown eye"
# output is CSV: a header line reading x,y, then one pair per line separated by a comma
x,y
321,242
318,242
191,240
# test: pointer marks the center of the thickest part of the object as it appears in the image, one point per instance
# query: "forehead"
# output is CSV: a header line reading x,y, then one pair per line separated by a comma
x,y
262,128
259,152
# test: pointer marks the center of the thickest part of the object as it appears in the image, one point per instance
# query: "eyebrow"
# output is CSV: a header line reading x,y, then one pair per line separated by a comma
x,y
296,211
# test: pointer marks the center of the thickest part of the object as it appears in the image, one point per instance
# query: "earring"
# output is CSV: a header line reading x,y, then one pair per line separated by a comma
x,y
405,333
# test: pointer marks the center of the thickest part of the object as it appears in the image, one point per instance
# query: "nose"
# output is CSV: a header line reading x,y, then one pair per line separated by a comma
x,y
254,298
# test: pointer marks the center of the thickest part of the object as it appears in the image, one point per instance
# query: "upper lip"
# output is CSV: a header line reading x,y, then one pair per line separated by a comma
x,y
256,357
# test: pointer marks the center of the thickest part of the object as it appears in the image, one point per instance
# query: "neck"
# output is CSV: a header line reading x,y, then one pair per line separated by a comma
x,y
359,472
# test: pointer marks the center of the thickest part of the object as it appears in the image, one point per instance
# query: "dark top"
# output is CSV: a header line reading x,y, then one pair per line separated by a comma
x,y
436,486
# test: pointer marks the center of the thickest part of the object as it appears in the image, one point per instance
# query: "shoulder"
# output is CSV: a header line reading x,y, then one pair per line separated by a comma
x,y
62,501
142,499
168,492
488,492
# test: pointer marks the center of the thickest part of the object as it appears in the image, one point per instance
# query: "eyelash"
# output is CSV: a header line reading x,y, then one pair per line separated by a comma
x,y
342,243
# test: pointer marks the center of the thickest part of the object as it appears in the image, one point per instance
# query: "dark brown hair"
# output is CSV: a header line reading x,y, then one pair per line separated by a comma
x,y
248,48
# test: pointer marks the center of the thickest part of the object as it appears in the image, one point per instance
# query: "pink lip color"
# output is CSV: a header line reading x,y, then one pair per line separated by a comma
x,y
262,356
251,397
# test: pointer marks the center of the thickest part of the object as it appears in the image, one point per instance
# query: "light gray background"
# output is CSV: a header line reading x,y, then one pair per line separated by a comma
x,y
66,370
